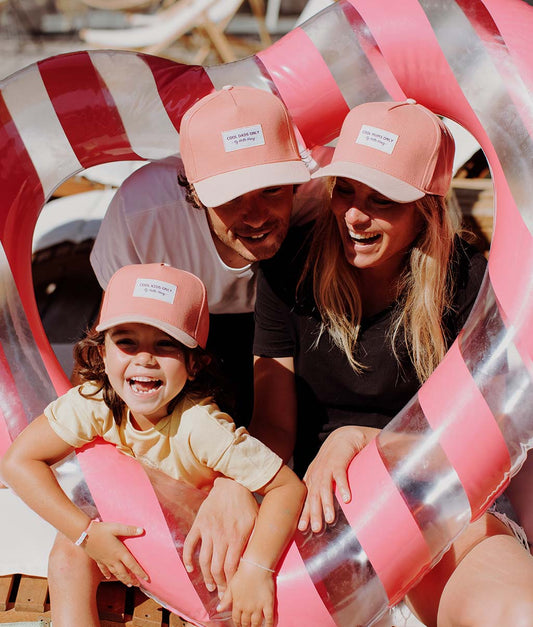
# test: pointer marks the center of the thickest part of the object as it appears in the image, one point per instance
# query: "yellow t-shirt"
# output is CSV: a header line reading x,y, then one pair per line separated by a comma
x,y
196,443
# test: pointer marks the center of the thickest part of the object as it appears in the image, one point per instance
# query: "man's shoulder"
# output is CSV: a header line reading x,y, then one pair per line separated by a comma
x,y
153,186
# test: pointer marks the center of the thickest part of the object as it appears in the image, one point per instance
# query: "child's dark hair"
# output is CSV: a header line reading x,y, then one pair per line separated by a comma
x,y
207,381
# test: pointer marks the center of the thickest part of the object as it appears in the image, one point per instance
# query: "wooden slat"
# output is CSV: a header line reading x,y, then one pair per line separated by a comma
x,y
176,621
32,594
6,585
146,612
112,601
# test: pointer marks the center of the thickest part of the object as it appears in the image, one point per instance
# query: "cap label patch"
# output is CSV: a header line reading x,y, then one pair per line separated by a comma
x,y
377,138
158,290
244,137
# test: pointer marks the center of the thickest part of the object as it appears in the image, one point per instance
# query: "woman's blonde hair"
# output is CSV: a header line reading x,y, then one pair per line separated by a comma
x,y
424,290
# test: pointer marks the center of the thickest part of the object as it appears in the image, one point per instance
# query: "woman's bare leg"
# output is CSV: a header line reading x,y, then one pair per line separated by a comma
x,y
73,579
484,580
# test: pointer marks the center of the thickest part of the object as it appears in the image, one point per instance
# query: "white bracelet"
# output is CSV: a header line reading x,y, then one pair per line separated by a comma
x,y
270,570
85,534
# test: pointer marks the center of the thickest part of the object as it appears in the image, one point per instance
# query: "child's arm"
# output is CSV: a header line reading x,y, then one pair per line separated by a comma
x,y
252,589
26,469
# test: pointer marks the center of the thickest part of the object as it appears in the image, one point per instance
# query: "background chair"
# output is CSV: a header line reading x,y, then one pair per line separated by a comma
x,y
153,33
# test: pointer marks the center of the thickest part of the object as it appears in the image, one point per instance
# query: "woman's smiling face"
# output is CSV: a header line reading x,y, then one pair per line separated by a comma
x,y
376,232
146,368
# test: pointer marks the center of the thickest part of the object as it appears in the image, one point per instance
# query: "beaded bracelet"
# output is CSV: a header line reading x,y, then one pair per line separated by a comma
x,y
270,570
85,534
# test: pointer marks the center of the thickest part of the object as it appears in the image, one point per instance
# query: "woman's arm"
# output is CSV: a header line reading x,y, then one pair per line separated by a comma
x,y
26,469
329,470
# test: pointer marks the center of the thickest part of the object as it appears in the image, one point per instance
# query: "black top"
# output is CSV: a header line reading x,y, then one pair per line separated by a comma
x,y
330,394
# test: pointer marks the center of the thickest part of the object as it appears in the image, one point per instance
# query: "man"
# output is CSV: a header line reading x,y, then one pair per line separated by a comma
x,y
241,163
231,210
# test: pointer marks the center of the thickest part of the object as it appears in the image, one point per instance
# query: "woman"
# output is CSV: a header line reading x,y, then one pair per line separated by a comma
x,y
353,316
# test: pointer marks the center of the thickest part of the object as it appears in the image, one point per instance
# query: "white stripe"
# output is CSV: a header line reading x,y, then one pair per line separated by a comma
x,y
40,130
134,90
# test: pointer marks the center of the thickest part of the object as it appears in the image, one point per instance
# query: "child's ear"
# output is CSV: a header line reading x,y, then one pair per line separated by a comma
x,y
192,367
101,351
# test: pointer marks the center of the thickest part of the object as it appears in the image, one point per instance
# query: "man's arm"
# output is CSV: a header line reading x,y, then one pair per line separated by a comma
x,y
274,417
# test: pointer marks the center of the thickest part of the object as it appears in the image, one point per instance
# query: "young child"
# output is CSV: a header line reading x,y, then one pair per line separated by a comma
x,y
146,390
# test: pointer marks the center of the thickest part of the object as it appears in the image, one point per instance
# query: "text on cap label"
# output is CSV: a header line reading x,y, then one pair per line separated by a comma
x,y
152,288
244,137
377,138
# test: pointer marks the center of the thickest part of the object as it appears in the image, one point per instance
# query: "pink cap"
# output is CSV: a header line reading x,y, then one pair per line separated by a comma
x,y
172,300
237,140
401,149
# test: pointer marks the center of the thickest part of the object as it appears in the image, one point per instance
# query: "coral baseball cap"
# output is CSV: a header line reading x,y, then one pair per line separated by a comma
x,y
156,294
401,149
237,140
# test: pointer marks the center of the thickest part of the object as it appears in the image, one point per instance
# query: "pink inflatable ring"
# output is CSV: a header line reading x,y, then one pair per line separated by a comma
x,y
469,60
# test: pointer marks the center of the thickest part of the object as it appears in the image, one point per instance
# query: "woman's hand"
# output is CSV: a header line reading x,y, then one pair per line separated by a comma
x,y
329,469
222,527
108,551
251,595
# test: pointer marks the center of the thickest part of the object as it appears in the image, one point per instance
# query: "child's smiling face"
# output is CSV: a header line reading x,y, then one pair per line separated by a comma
x,y
146,367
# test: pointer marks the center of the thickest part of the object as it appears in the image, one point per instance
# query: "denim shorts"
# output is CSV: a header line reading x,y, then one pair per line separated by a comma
x,y
503,511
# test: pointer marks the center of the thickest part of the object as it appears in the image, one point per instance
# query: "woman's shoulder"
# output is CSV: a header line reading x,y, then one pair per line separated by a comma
x,y
468,265
293,249
286,267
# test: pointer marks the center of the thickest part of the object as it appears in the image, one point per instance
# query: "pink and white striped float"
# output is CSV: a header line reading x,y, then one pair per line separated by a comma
x,y
445,457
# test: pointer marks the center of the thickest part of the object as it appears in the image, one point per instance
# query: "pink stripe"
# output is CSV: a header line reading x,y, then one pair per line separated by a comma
x,y
16,420
467,430
86,110
387,531
193,80
22,194
510,263
113,479
510,18
417,66
5,438
373,52
297,90
293,585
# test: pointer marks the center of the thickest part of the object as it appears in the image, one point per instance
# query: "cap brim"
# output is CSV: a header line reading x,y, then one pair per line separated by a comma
x,y
174,332
222,188
385,184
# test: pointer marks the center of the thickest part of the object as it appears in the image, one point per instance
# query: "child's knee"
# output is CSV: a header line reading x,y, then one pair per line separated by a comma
x,y
65,558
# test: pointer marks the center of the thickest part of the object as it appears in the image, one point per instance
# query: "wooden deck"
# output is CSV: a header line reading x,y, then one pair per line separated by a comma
x,y
24,598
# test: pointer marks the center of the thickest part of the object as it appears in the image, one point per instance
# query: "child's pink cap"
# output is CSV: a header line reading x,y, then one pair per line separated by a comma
x,y
400,149
169,299
237,140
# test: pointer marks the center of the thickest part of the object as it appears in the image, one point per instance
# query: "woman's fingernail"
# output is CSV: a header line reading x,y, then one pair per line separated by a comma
x,y
210,586
189,568
345,497
139,530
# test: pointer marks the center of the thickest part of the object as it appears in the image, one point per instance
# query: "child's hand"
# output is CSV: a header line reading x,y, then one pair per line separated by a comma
x,y
109,552
252,591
